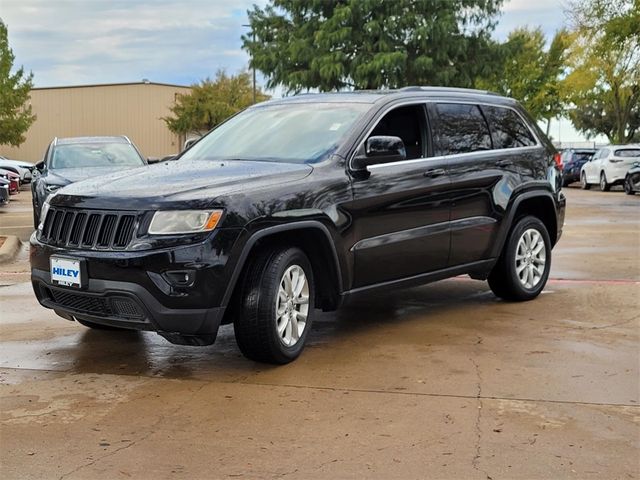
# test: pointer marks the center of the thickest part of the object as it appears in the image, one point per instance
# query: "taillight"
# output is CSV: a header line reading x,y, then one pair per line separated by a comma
x,y
558,159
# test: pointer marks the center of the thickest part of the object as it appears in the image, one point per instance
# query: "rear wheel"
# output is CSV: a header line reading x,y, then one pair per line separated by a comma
x,y
275,306
604,186
523,267
628,186
583,181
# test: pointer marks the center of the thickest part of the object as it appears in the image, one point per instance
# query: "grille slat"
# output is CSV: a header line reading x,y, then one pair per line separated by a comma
x,y
65,229
76,231
124,232
88,229
92,228
57,225
107,230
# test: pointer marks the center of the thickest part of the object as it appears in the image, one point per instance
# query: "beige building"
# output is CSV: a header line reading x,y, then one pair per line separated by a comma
x,y
131,109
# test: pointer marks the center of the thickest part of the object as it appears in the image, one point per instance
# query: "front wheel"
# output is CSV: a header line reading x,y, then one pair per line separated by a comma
x,y
275,306
604,186
583,182
628,186
523,267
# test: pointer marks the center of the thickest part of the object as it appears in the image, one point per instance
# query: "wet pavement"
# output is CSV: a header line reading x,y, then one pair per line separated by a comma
x,y
441,381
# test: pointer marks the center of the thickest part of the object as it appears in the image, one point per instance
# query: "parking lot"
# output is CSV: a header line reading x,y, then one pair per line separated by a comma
x,y
441,381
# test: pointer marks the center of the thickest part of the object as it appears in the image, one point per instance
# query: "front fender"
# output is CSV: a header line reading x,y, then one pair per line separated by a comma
x,y
249,238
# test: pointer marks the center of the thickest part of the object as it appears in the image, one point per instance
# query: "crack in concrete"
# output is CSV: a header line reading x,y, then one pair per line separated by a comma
x,y
352,390
34,415
151,431
475,462
611,325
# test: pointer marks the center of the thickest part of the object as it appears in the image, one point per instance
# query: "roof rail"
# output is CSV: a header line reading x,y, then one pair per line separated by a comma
x,y
415,88
127,139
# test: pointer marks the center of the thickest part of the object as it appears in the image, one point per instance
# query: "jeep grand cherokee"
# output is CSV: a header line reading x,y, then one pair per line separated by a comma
x,y
296,204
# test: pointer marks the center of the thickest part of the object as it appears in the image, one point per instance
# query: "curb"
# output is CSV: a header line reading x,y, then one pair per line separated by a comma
x,y
9,248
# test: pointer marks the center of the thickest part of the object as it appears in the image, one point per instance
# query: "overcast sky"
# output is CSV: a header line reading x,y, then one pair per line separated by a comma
x,y
73,42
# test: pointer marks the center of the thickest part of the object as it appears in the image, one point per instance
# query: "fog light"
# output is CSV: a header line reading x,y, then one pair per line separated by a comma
x,y
180,278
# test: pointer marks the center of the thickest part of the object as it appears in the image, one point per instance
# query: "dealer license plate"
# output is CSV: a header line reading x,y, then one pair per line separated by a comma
x,y
66,271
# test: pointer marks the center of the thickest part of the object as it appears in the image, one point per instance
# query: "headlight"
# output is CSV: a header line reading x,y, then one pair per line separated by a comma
x,y
170,222
52,188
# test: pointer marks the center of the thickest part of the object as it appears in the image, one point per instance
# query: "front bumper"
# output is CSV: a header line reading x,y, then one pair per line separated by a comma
x,y
131,289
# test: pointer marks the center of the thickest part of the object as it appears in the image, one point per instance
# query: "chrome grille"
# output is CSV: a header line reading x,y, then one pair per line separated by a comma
x,y
89,229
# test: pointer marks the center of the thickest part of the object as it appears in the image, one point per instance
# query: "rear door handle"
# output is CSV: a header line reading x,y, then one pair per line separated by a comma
x,y
503,163
435,172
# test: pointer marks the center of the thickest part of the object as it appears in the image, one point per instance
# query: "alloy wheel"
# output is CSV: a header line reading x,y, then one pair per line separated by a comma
x,y
531,256
292,305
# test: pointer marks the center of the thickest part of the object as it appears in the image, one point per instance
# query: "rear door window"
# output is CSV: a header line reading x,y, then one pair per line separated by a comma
x,y
508,130
459,128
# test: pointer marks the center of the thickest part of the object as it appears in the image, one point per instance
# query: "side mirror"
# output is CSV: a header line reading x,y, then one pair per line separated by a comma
x,y
40,165
151,160
379,149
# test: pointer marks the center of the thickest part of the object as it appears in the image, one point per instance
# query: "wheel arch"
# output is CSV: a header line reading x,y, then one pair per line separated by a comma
x,y
315,239
540,204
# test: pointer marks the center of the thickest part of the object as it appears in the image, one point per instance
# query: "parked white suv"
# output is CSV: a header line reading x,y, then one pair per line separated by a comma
x,y
609,166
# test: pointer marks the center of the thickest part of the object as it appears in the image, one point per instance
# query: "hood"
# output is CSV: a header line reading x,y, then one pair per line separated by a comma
x,y
181,180
70,175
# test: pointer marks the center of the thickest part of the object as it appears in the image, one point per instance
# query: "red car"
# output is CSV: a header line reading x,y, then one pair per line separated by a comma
x,y
14,179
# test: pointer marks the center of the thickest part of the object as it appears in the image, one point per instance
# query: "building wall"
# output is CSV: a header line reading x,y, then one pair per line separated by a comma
x,y
134,110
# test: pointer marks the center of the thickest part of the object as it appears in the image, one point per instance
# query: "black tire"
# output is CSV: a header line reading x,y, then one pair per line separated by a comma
x,y
98,326
503,279
628,186
583,181
255,325
604,186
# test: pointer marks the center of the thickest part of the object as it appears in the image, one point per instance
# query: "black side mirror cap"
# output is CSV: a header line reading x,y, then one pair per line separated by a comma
x,y
40,165
379,149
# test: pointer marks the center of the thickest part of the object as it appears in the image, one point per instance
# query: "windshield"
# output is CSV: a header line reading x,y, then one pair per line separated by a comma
x,y
627,153
84,155
295,133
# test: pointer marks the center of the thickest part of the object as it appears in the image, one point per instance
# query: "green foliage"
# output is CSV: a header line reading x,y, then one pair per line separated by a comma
x,y
211,102
368,44
604,78
15,115
530,72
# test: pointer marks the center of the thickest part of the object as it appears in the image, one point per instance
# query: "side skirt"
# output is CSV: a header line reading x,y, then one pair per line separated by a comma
x,y
477,270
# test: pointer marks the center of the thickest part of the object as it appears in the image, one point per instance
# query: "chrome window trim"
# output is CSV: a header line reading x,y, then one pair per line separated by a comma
x,y
453,156
441,157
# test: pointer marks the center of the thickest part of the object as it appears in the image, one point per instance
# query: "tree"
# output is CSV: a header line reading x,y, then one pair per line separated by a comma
x,y
210,102
604,76
532,73
15,114
364,44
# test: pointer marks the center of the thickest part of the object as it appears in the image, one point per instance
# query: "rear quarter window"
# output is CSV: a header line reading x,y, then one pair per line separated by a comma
x,y
508,130
459,128
627,153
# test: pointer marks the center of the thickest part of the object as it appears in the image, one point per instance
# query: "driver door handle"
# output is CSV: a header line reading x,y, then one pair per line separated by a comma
x,y
434,172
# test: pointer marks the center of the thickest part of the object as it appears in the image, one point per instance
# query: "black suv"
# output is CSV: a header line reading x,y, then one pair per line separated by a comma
x,y
296,204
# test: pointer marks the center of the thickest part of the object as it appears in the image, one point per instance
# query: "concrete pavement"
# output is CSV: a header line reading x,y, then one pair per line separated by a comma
x,y
441,381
